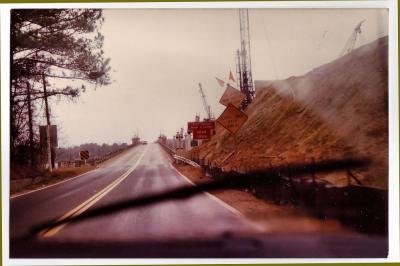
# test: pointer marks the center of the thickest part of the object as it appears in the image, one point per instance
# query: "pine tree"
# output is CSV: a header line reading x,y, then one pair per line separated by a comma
x,y
59,46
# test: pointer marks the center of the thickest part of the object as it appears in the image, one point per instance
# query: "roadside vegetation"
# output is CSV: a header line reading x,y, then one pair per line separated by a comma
x,y
27,180
55,55
95,150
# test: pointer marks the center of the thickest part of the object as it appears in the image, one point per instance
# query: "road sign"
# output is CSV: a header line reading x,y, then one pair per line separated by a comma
x,y
53,136
232,96
201,130
232,118
202,134
201,125
194,143
84,154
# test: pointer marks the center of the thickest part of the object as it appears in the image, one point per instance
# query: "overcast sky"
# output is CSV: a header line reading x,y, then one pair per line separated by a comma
x,y
160,56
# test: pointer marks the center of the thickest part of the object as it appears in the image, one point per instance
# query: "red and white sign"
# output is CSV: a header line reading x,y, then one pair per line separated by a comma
x,y
201,125
201,130
202,133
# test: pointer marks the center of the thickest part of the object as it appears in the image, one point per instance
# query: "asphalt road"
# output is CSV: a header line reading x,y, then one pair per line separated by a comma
x,y
149,171
199,226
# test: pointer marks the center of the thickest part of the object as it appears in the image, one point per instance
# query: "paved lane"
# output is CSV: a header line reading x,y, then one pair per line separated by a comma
x,y
196,227
199,216
50,203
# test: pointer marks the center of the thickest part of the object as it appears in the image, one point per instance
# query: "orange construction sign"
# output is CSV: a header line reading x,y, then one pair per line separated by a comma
x,y
232,96
232,118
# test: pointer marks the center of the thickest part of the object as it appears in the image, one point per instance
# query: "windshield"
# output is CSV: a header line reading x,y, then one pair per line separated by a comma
x,y
212,133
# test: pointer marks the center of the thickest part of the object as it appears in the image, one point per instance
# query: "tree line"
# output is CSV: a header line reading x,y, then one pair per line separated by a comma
x,y
95,150
54,53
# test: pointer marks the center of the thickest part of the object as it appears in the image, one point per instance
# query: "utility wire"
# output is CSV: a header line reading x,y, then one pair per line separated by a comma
x,y
269,48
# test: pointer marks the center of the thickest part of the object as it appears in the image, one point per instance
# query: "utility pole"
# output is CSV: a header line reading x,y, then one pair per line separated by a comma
x,y
49,159
32,154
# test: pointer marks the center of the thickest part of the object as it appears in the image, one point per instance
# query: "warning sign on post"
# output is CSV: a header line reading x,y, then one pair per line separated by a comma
x,y
232,118
232,96
84,154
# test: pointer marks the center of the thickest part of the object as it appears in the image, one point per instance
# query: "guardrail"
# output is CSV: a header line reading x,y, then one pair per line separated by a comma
x,y
186,161
178,158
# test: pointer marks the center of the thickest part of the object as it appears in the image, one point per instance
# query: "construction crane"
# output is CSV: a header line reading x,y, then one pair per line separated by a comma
x,y
243,59
351,42
207,107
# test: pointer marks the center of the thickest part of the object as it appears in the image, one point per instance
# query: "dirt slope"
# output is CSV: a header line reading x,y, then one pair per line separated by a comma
x,y
337,110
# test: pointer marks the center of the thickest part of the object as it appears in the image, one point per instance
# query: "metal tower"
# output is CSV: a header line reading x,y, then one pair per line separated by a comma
x,y
351,42
243,59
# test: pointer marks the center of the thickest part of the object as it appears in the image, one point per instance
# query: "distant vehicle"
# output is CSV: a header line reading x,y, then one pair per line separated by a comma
x,y
144,142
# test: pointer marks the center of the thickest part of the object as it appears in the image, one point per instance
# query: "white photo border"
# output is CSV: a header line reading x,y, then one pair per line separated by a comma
x,y
393,235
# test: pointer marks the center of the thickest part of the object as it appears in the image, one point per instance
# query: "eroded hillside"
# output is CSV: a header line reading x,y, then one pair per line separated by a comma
x,y
335,111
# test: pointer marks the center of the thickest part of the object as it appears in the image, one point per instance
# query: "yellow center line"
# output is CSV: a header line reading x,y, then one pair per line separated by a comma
x,y
89,202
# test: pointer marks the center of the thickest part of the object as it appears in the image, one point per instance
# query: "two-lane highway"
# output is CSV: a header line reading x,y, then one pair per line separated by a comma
x,y
199,226
140,171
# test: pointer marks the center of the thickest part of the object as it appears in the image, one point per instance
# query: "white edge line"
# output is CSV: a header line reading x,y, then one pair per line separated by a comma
x,y
55,184
52,185
222,203
96,197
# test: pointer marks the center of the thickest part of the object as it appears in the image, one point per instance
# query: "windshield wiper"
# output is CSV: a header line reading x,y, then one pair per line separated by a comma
x,y
230,180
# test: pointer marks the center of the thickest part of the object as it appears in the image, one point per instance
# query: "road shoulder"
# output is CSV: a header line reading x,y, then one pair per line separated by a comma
x,y
269,217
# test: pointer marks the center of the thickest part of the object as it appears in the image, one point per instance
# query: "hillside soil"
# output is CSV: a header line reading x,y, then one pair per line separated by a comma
x,y
336,111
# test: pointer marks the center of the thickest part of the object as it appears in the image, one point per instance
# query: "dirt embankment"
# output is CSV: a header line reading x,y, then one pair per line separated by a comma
x,y
335,111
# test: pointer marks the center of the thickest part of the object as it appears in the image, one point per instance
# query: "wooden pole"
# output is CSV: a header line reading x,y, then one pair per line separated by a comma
x,y
30,124
49,159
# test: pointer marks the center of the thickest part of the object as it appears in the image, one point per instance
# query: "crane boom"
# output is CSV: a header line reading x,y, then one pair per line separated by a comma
x,y
351,42
205,104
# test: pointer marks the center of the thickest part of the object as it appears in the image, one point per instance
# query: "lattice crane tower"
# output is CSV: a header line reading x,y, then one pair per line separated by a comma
x,y
243,59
